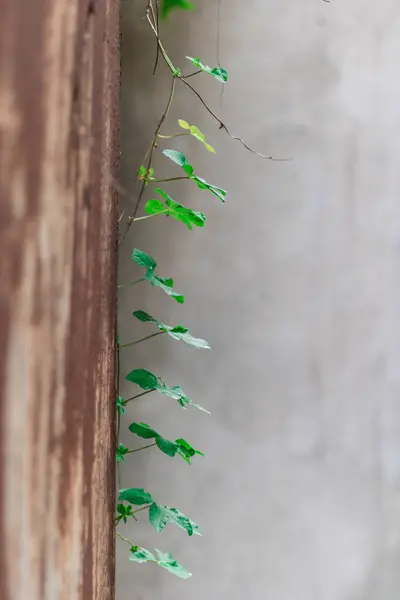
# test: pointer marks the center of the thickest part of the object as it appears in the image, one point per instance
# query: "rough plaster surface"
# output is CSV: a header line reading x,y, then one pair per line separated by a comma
x,y
295,284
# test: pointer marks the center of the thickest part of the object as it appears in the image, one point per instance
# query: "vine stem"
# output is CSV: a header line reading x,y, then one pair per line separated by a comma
x,y
152,147
192,74
165,181
170,137
149,216
124,538
139,395
141,340
142,448
142,508
131,283
155,30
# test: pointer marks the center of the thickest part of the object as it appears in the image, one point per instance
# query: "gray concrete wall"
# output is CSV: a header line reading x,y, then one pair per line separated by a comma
x,y
295,282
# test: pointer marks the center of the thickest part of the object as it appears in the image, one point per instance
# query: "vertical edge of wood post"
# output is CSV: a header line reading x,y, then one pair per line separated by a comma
x,y
59,121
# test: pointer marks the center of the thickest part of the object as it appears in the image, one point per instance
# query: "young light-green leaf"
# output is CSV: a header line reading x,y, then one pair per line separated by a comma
x,y
135,496
150,264
197,134
220,74
178,332
169,5
145,174
160,515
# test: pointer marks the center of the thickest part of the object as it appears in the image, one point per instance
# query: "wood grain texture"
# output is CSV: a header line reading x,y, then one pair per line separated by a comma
x,y
59,89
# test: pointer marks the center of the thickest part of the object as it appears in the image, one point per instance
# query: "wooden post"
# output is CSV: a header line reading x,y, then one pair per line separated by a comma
x,y
59,80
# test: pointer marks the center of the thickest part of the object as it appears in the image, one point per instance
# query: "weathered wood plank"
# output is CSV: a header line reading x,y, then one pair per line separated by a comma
x,y
59,78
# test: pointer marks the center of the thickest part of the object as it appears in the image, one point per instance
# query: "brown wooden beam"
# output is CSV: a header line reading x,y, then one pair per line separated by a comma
x,y
59,89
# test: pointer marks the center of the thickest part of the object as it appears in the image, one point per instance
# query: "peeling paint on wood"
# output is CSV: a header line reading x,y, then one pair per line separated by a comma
x,y
59,78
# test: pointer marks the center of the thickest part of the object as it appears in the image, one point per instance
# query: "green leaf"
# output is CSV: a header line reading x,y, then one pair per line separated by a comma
x,y
186,215
178,332
166,285
121,452
169,5
135,496
143,378
180,159
178,394
181,333
144,317
123,513
169,448
164,560
142,555
220,74
168,562
186,451
179,212
154,207
142,430
143,173
217,72
196,133
183,124
150,264
177,157
144,260
160,515
180,446
214,189
120,403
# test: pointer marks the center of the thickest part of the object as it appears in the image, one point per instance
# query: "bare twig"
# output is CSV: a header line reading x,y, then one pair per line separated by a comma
x,y
177,75
157,18
225,128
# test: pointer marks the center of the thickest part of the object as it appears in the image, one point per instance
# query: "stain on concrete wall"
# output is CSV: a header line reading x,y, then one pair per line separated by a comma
x,y
294,282
59,77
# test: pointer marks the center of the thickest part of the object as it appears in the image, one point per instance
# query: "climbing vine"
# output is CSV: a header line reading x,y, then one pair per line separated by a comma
x,y
132,501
